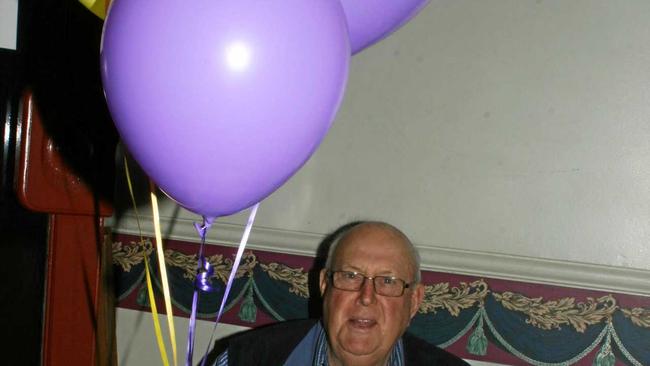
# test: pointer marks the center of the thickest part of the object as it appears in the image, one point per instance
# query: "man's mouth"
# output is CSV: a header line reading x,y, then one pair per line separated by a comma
x,y
362,323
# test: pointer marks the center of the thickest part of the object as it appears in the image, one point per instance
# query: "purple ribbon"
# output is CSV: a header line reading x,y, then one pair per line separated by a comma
x,y
231,278
203,278
202,283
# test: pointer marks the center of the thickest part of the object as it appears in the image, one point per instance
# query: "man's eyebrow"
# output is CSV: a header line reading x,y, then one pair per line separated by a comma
x,y
387,273
347,267
384,273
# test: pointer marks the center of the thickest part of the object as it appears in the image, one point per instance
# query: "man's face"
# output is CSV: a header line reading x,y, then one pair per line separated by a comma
x,y
361,326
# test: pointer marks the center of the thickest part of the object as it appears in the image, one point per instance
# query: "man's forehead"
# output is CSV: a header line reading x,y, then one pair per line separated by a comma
x,y
367,236
365,230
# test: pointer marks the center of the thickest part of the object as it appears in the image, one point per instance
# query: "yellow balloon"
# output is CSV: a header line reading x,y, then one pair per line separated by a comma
x,y
98,7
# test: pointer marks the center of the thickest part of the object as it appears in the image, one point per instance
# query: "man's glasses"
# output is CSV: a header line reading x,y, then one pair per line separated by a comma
x,y
353,281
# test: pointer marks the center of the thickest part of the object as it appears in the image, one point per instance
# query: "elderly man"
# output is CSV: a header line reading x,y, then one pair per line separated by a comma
x,y
371,290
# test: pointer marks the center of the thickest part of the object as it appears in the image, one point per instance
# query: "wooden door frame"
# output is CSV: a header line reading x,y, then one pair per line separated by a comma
x,y
78,319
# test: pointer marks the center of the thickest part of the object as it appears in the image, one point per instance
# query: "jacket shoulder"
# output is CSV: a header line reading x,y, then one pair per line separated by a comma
x,y
268,345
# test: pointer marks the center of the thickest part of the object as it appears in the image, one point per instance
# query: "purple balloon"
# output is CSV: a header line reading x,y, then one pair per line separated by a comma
x,y
372,20
220,102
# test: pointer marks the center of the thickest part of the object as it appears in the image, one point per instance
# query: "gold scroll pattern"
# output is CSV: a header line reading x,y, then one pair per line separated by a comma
x,y
132,254
221,266
638,316
127,256
296,277
454,299
565,311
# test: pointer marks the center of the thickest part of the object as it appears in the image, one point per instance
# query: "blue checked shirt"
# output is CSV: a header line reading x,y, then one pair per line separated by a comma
x,y
314,346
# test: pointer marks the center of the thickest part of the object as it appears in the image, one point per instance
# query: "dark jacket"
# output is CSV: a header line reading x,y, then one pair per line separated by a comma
x,y
272,345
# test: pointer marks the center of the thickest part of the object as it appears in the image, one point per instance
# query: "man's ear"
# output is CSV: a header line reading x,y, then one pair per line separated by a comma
x,y
323,281
416,298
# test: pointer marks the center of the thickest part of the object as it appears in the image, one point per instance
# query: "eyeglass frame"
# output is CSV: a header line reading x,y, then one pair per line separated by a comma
x,y
405,285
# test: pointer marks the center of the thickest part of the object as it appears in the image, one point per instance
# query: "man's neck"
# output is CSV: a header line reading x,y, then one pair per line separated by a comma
x,y
352,360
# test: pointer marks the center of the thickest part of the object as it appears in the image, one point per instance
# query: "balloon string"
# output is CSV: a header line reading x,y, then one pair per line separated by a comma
x,y
231,278
192,326
163,270
152,299
202,283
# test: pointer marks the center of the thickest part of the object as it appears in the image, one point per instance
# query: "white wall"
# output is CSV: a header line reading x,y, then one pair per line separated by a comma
x,y
8,23
518,127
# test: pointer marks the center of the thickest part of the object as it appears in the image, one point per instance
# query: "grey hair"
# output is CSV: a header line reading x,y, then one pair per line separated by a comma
x,y
414,254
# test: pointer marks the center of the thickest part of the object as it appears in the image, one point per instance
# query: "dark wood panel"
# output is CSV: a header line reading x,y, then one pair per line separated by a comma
x,y
54,294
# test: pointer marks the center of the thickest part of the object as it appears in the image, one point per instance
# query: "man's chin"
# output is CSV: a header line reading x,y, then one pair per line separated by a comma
x,y
361,345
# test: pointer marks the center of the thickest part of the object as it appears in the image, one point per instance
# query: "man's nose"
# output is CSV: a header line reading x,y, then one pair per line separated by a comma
x,y
367,292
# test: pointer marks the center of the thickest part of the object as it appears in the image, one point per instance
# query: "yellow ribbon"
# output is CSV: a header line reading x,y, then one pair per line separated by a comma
x,y
98,7
152,300
163,268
